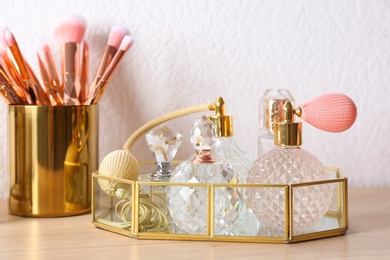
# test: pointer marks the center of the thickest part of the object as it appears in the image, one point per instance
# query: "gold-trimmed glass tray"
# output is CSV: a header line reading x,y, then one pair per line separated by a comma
x,y
140,211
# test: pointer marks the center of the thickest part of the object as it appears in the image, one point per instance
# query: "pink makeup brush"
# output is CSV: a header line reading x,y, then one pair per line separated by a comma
x,y
114,41
98,90
50,90
5,65
52,72
69,33
8,92
28,79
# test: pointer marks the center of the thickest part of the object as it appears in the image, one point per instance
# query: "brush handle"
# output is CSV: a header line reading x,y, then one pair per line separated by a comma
x,y
70,56
107,57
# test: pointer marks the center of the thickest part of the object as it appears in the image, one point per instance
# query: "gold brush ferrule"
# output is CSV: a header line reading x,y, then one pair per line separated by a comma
x,y
287,132
98,90
70,53
9,94
223,124
41,98
107,57
17,59
50,91
20,91
83,95
53,76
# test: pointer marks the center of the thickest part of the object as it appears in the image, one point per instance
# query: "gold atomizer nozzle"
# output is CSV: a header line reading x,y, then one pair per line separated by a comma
x,y
223,123
288,132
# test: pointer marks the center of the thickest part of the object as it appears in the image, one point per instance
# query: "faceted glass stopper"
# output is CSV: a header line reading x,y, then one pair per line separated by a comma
x,y
203,137
164,143
203,134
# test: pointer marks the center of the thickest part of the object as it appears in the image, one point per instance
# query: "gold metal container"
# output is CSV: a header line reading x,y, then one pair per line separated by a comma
x,y
53,151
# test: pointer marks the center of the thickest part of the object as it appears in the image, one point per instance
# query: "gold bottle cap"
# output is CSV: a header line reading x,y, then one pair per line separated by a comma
x,y
223,123
273,112
288,132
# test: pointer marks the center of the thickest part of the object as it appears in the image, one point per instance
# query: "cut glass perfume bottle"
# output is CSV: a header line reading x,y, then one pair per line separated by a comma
x,y
226,149
187,206
287,163
271,110
164,143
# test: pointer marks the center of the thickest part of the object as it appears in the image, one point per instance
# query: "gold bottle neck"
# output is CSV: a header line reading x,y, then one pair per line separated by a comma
x,y
288,132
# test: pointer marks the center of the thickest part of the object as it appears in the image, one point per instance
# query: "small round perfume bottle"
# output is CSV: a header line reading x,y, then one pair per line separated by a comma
x,y
188,206
225,147
288,163
164,143
270,111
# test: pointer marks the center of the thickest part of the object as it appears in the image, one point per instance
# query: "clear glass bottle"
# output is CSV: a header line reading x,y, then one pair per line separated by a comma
x,y
270,111
187,206
226,149
288,163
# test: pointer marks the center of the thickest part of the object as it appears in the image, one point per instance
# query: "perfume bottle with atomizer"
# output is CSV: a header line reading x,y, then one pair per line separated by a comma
x,y
188,207
288,163
225,148
270,111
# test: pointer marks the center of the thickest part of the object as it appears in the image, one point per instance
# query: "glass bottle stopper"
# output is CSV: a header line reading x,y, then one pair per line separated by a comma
x,y
164,143
203,137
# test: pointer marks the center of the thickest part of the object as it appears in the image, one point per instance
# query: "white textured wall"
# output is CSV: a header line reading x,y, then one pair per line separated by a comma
x,y
191,52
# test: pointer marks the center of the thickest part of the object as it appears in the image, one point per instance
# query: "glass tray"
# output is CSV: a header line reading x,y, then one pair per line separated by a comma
x,y
126,215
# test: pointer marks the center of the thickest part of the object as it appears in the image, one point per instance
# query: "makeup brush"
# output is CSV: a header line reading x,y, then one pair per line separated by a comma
x,y
83,95
52,71
114,41
50,90
24,71
98,90
8,77
7,91
69,33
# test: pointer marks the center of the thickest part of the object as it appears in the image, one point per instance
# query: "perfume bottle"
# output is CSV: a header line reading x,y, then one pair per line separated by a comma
x,y
188,207
270,111
288,163
164,144
225,148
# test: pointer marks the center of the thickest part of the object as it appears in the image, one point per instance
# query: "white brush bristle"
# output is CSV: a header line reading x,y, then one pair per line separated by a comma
x,y
3,41
126,43
116,35
71,29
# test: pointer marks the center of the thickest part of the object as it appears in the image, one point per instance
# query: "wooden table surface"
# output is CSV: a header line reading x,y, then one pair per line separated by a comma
x,y
368,237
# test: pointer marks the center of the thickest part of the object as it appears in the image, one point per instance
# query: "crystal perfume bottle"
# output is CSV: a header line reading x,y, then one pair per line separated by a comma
x,y
188,207
271,110
225,147
164,143
288,163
